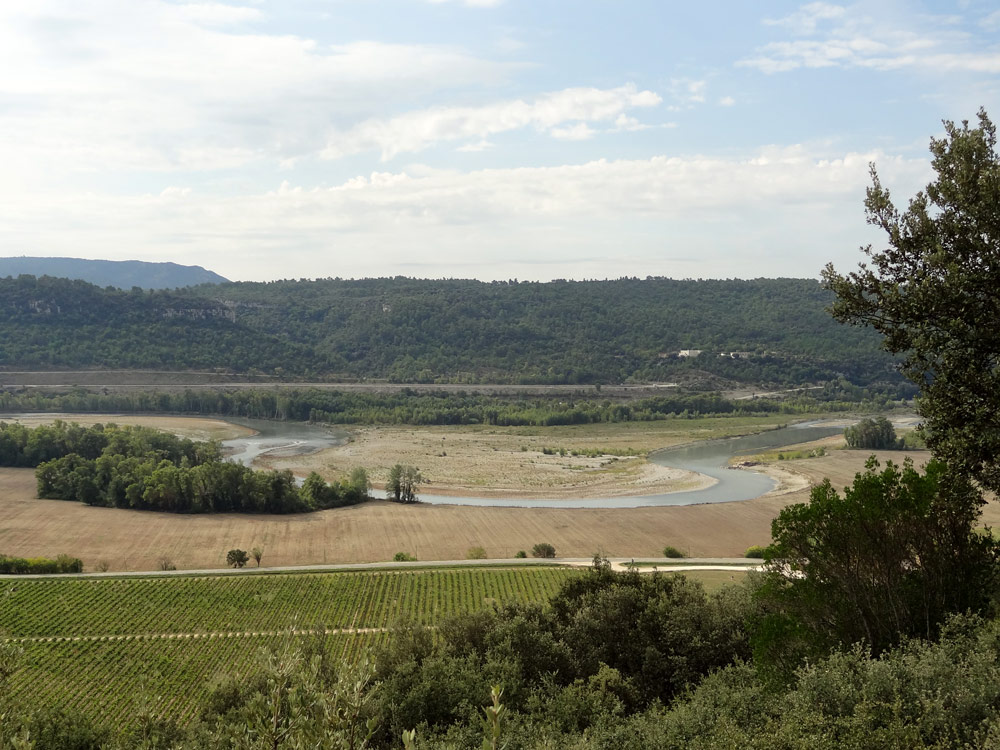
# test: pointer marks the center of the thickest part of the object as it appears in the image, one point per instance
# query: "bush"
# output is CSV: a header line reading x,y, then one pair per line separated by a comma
x,y
475,553
673,552
543,549
403,557
521,554
165,563
237,558
755,551
21,565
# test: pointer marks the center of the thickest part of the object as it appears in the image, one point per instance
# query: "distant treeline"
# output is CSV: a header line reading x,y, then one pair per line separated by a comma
x,y
446,331
448,408
145,469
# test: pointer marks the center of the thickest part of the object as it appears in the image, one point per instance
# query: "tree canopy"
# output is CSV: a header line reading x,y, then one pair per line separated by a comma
x,y
934,293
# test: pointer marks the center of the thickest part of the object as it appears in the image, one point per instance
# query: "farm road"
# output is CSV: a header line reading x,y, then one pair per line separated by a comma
x,y
617,563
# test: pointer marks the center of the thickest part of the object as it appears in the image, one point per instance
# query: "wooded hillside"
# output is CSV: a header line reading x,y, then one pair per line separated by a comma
x,y
410,330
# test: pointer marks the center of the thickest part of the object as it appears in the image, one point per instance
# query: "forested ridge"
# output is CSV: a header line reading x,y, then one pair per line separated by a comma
x,y
413,330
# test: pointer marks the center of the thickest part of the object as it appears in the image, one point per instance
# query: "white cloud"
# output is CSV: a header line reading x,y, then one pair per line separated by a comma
x,y
808,17
154,85
991,22
415,131
581,131
471,3
854,39
727,101
568,220
483,145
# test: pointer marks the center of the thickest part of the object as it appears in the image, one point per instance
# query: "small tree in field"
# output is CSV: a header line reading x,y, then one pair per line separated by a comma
x,y
402,484
543,549
257,553
237,558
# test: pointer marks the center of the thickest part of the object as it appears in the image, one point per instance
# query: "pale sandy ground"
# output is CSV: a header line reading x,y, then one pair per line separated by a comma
x,y
135,540
503,463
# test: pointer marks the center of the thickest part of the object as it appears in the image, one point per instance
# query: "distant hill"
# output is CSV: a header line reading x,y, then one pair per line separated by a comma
x,y
458,331
123,274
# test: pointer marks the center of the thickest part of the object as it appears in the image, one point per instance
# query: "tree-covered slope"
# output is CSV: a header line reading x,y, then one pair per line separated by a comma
x,y
123,274
410,330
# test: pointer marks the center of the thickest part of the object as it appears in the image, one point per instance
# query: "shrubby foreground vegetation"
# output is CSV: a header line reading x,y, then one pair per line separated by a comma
x,y
872,625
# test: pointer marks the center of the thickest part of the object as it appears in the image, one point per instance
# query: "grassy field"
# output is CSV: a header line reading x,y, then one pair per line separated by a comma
x,y
115,647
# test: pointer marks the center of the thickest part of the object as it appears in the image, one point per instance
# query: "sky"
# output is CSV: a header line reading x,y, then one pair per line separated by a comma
x,y
488,139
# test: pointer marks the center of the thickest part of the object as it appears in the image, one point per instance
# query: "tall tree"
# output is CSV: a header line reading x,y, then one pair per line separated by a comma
x,y
934,293
891,558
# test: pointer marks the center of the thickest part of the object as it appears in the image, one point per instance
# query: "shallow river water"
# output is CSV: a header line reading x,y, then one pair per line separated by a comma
x,y
708,457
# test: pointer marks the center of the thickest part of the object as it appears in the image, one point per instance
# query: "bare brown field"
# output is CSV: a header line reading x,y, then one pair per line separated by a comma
x,y
135,540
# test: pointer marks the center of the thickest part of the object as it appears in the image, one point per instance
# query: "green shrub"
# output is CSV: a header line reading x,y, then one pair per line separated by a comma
x,y
543,549
521,554
403,557
475,553
21,565
755,551
669,551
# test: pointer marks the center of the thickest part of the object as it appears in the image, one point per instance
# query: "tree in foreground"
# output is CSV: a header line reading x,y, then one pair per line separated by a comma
x,y
892,558
934,293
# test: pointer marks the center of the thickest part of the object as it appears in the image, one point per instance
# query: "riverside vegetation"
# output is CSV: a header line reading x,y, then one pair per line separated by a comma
x,y
145,469
873,623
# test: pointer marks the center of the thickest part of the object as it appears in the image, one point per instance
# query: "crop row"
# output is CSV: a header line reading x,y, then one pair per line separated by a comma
x,y
113,682
138,606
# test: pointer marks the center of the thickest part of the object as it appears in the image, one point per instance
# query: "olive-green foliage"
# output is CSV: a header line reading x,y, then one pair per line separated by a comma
x,y
403,557
143,468
237,558
932,292
21,565
543,549
755,551
892,558
475,553
608,645
672,552
449,407
411,330
401,486
872,434
917,695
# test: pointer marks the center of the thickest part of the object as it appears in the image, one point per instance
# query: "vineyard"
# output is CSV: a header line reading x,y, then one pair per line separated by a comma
x,y
117,647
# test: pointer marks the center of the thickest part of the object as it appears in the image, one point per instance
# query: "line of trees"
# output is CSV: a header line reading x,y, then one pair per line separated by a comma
x,y
145,469
447,408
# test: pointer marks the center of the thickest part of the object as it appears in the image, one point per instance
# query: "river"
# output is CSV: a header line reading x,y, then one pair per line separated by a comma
x,y
708,457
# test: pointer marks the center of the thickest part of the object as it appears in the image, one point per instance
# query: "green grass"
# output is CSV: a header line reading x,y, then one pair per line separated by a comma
x,y
115,646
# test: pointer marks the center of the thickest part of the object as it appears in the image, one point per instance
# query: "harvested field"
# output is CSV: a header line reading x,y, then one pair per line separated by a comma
x,y
136,540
